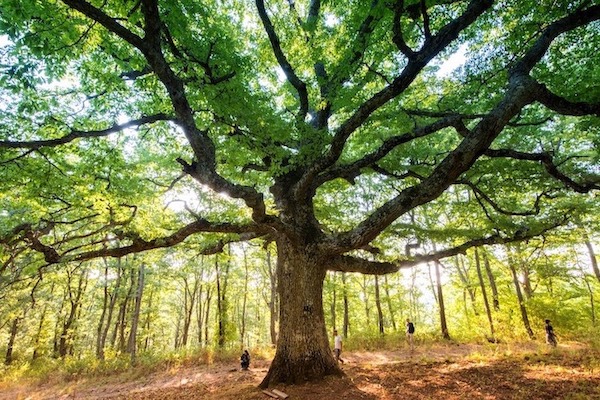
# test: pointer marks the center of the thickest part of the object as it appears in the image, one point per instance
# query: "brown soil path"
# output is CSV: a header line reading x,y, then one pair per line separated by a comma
x,y
525,371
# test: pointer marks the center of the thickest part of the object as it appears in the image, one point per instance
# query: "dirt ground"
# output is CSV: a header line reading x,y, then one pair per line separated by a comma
x,y
527,371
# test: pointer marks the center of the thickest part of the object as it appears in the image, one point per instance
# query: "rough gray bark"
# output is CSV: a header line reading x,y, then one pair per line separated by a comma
x,y
303,351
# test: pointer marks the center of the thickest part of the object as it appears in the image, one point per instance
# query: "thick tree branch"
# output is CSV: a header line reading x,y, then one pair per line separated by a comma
x,y
369,160
53,255
535,53
140,245
105,20
78,134
547,161
204,170
431,48
398,37
563,106
285,65
346,263
519,94
480,195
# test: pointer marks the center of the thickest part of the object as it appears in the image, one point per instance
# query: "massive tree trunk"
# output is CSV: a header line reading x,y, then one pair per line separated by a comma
x,y
303,352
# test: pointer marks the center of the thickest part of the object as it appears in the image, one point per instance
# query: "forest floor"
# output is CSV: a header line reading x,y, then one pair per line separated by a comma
x,y
432,371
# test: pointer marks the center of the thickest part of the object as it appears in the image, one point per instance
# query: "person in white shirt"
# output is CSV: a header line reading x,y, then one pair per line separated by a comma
x,y
337,347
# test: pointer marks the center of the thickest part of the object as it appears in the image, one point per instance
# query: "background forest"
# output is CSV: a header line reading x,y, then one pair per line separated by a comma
x,y
177,304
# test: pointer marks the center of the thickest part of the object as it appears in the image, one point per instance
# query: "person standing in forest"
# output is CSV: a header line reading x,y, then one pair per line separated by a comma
x,y
245,360
410,330
550,336
337,346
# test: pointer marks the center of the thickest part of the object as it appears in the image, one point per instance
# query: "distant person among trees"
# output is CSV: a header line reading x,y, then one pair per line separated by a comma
x,y
410,330
550,336
245,360
337,346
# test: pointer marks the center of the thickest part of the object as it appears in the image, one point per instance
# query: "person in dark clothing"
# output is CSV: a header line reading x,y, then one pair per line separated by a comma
x,y
550,336
245,360
410,330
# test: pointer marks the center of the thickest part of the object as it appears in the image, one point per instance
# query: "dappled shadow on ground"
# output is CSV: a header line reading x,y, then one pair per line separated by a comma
x,y
436,372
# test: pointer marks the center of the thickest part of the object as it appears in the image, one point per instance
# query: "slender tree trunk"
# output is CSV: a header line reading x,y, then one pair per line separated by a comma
x,y
220,307
177,341
123,311
14,329
209,291
463,273
365,288
346,327
199,314
132,342
148,320
38,335
57,325
244,301
590,292
492,280
111,307
189,302
486,303
67,334
593,259
440,297
105,302
333,303
378,305
414,300
272,299
303,351
388,298
521,300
